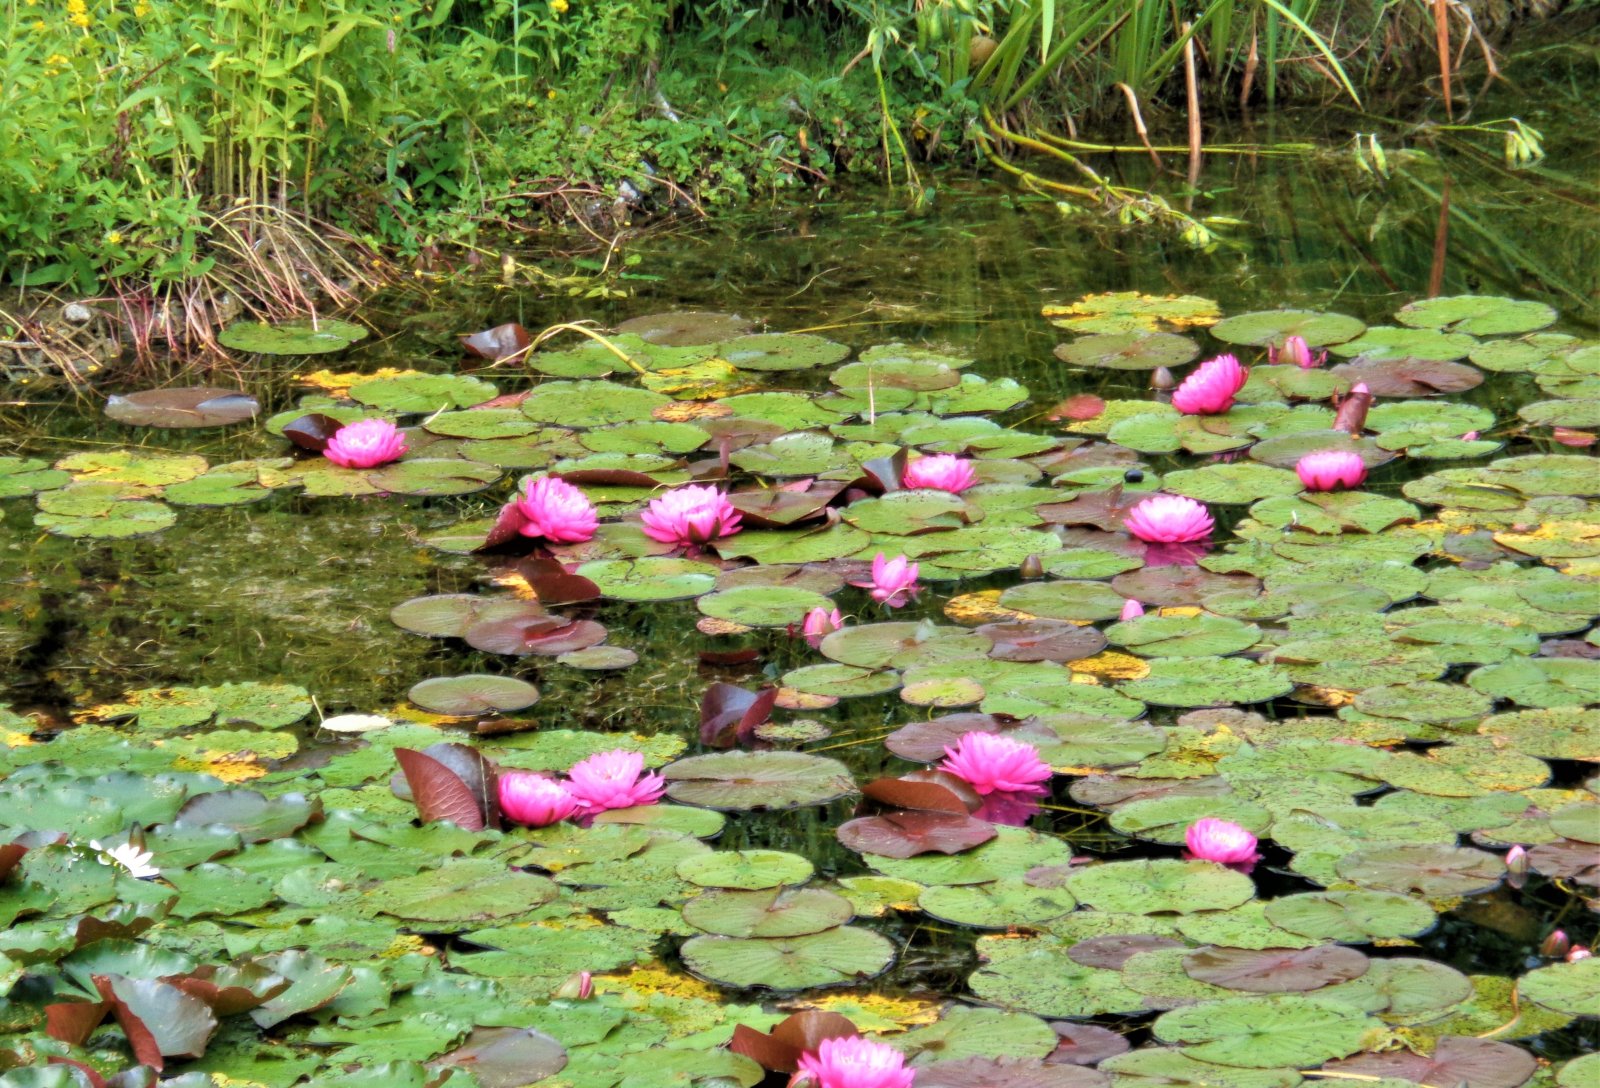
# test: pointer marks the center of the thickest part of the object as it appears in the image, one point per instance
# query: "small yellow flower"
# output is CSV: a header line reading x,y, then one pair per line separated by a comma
x,y
551,93
559,6
56,61
141,9
114,238
78,13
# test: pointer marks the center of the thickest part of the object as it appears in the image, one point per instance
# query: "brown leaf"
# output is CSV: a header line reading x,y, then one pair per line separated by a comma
x,y
439,793
501,342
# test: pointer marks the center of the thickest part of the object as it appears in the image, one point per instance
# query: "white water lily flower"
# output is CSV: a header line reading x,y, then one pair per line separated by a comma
x,y
130,857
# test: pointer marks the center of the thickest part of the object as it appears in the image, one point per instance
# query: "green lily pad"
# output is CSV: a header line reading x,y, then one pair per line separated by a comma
x,y
23,476
1540,682
1382,343
301,337
997,905
762,606
1480,315
831,958
1183,636
1426,869
1571,988
781,351
752,780
745,869
1128,350
1159,886
473,694
1354,916
1124,311
1264,327
770,912
1035,974
462,890
1240,482
1263,1032
415,392
1208,681
590,403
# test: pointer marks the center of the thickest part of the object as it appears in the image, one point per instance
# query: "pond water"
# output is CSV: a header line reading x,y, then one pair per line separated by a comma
x,y
1426,716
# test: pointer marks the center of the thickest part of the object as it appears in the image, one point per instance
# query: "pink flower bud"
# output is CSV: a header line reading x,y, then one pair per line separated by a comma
x,y
1131,609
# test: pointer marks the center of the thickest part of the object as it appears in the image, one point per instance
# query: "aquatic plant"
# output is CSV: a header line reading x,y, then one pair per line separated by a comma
x,y
534,800
1296,351
893,582
990,762
941,472
613,779
690,516
1329,470
366,443
1169,519
819,623
128,857
1222,841
1211,388
854,1062
1131,609
555,510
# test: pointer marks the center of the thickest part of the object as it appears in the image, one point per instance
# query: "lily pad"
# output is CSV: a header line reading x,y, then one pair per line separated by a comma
x,y
1479,315
831,958
1128,350
185,407
1159,886
1264,327
302,337
473,694
757,780
1264,1032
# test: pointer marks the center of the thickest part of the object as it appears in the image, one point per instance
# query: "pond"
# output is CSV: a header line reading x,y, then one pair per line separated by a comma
x,y
215,645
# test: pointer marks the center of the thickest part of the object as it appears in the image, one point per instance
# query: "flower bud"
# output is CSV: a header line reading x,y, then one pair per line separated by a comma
x,y
577,987
1579,952
1555,945
1517,860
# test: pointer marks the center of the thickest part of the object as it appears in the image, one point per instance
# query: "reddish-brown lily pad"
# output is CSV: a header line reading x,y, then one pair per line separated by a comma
x,y
1410,377
906,834
1476,1063
1275,970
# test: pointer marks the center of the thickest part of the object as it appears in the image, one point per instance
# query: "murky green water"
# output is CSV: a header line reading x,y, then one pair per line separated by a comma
x,y
298,590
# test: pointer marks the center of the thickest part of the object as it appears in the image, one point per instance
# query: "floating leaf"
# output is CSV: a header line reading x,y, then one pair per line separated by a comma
x,y
1263,1032
473,694
190,406
830,958
1128,350
312,336
752,780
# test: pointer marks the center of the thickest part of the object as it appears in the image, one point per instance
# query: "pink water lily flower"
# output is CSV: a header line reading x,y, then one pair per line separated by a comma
x,y
1169,519
1295,350
690,516
851,1061
554,509
1210,389
534,800
1221,841
613,779
941,472
1328,470
989,762
366,443
1131,610
819,624
894,581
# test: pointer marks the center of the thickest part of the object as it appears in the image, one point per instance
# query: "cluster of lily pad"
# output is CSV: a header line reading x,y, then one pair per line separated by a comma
x,y
1425,670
